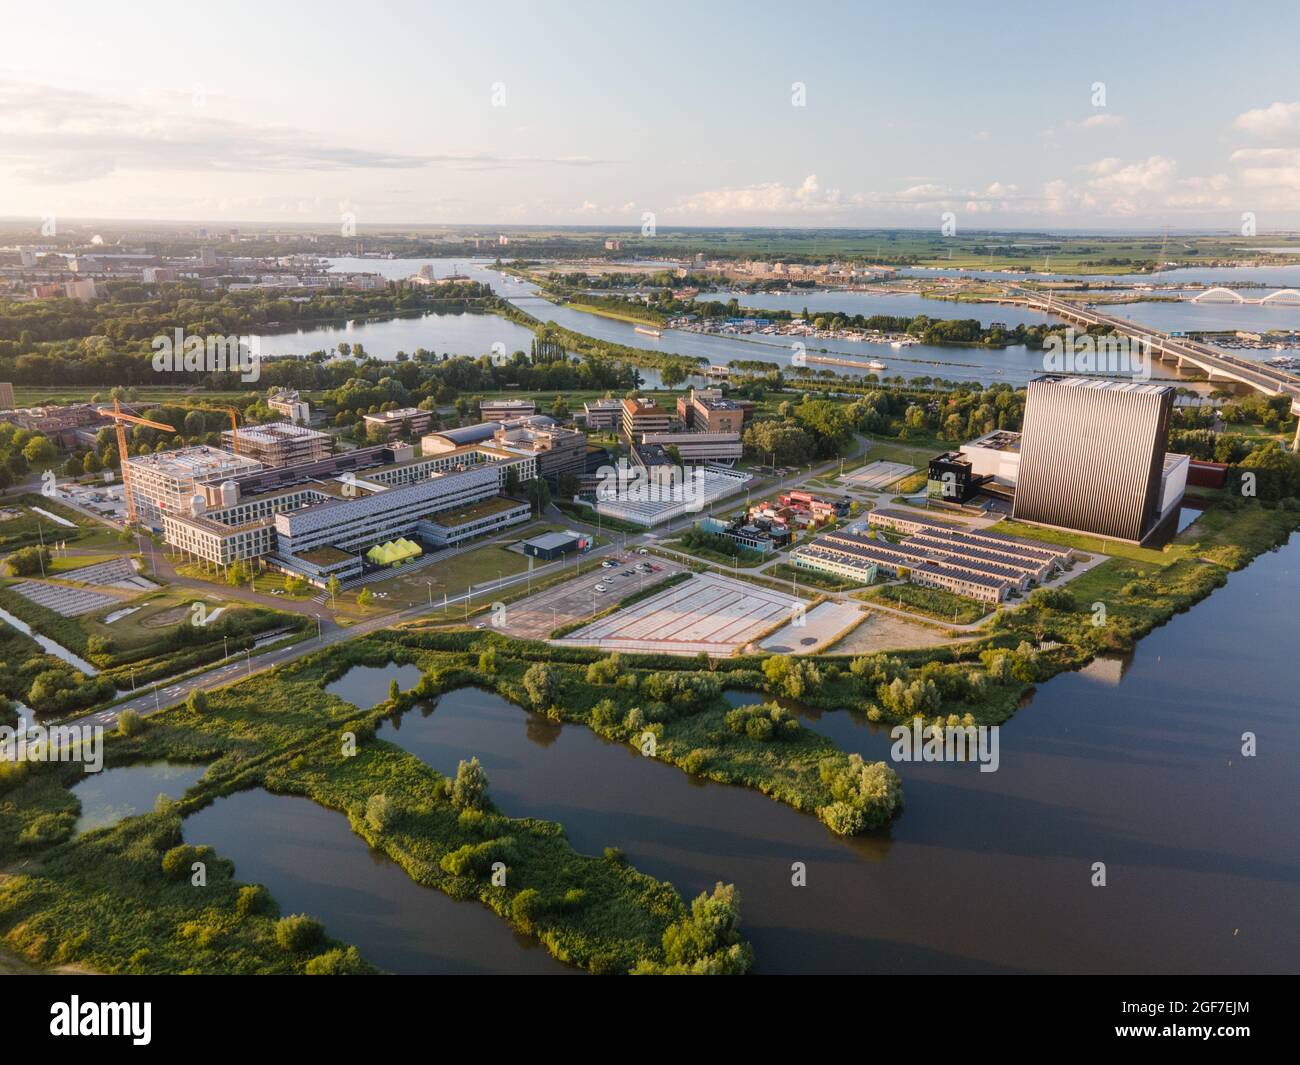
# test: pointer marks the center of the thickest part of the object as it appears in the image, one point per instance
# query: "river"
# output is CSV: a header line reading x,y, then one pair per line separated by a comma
x,y
470,334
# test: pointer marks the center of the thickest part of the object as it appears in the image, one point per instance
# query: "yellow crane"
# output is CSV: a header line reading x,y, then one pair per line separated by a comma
x,y
119,419
234,427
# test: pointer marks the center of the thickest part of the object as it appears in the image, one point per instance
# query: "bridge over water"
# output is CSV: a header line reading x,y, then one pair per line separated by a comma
x,y
1217,365
1287,297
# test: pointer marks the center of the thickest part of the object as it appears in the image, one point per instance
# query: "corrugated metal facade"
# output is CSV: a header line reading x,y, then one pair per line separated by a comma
x,y
1091,455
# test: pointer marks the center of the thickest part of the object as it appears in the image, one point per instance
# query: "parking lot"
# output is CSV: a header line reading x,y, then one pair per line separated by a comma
x,y
538,615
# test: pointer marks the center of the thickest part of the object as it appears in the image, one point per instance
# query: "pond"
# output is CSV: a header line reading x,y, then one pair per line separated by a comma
x,y
367,686
309,858
113,794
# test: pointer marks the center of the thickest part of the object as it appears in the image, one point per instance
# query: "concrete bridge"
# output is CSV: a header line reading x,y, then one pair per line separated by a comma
x,y
1242,374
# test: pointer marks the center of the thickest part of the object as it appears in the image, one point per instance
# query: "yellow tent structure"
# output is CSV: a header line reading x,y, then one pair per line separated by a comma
x,y
394,551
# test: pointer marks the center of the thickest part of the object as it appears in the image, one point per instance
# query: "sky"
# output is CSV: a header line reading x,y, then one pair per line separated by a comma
x,y
1007,115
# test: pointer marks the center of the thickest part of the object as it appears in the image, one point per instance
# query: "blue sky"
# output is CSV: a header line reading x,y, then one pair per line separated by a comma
x,y
574,113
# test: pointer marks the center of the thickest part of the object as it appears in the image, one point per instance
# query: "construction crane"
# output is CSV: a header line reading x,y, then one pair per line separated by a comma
x,y
234,427
118,420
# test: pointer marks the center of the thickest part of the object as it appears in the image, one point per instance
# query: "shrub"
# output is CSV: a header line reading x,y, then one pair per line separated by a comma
x,y
252,898
177,863
341,962
526,907
129,723
26,561
298,932
46,830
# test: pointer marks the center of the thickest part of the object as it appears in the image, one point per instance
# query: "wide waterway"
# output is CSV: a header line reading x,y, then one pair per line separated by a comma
x,y
475,334
1134,763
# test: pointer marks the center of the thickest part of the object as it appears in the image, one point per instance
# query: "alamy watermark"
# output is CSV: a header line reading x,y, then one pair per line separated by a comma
x,y
182,353
1086,353
946,743
667,483
57,743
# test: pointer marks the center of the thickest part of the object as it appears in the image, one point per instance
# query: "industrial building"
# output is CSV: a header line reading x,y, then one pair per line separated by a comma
x,y
553,545
975,563
651,495
278,443
1092,457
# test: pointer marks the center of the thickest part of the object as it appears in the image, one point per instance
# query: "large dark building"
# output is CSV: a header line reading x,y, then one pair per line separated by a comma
x,y
1092,455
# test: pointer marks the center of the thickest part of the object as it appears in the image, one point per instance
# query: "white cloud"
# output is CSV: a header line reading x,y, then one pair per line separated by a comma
x,y
770,198
1274,122
1104,120
58,136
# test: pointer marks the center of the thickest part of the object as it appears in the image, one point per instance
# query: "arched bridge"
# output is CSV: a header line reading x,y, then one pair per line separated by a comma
x,y
1287,296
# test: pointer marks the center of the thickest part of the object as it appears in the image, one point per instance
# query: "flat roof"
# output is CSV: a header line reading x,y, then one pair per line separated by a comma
x,y
549,541
1101,384
197,461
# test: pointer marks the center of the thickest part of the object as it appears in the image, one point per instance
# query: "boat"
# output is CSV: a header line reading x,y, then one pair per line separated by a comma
x,y
875,364
648,332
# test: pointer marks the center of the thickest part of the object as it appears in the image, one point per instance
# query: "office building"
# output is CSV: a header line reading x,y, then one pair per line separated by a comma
x,y
1092,456
500,410
291,405
558,450
642,416
321,521
604,415
706,410
404,421
166,482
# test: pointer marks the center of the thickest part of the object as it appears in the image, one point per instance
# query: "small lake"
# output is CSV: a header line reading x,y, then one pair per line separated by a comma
x,y
309,858
367,686
111,795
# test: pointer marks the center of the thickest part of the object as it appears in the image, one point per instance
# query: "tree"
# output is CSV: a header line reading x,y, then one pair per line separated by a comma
x,y
332,586
541,685
198,701
38,451
469,790
26,561
364,597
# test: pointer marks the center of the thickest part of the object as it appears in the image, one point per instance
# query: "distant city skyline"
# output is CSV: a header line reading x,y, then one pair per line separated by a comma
x,y
1105,117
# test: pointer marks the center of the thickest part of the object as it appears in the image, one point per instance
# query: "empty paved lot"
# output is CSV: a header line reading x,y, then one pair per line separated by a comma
x,y
708,613
876,475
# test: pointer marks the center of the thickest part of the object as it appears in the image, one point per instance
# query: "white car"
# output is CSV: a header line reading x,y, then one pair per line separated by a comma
x,y
642,551
601,588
